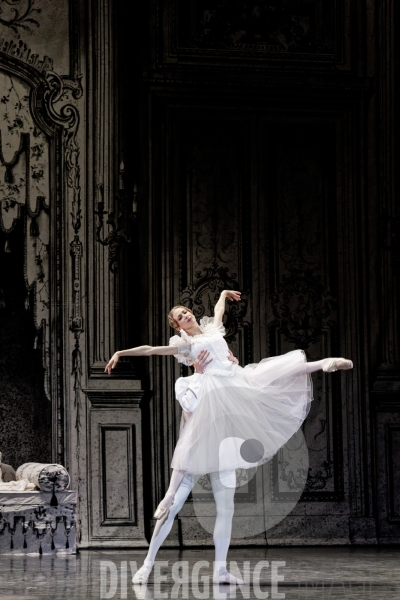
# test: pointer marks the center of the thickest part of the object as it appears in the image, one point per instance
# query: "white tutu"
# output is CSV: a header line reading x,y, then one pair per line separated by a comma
x,y
244,415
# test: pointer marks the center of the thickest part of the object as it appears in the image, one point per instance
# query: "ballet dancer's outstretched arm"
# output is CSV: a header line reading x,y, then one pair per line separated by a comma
x,y
140,351
219,308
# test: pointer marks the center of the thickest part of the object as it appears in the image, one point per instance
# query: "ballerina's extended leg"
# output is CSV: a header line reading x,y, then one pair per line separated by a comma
x,y
165,504
328,365
162,529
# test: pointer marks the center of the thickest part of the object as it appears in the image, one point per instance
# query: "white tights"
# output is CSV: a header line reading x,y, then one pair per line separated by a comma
x,y
316,365
224,501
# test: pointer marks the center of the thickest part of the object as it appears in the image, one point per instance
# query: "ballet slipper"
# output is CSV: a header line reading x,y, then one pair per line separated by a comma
x,y
141,576
337,364
227,578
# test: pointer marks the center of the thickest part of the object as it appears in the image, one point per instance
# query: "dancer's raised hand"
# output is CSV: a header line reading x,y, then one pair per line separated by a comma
x,y
233,295
113,361
201,361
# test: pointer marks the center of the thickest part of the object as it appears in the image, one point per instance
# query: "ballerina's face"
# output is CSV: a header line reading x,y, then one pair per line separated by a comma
x,y
184,318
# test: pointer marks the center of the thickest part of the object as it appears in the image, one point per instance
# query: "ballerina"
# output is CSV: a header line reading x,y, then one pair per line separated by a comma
x,y
275,396
249,412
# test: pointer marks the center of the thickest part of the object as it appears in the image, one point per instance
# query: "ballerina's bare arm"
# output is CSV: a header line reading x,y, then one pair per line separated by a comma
x,y
220,306
140,351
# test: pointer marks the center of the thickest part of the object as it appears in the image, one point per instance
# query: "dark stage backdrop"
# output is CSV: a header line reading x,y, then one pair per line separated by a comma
x,y
198,146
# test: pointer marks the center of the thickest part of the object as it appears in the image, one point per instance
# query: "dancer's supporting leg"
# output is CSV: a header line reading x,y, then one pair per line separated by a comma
x,y
224,501
163,528
166,502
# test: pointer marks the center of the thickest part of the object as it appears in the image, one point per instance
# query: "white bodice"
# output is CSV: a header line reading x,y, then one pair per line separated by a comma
x,y
210,339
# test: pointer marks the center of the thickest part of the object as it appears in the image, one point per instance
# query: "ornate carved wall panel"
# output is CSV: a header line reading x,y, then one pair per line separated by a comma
x,y
303,312
251,193
25,288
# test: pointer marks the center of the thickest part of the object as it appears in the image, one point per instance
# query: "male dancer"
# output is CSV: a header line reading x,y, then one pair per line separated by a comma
x,y
187,392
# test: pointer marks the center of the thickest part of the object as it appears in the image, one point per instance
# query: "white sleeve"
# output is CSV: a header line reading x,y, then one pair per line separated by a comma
x,y
207,324
187,391
183,354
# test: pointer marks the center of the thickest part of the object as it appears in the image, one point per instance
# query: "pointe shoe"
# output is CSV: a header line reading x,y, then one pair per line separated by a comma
x,y
337,364
141,576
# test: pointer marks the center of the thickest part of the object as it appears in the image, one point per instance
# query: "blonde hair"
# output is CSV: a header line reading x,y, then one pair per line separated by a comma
x,y
173,322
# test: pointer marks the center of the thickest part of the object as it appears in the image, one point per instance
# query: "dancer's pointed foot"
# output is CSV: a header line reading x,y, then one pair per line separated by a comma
x,y
337,364
141,576
223,576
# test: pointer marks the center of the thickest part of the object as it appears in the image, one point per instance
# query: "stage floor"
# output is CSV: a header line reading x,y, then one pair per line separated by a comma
x,y
309,572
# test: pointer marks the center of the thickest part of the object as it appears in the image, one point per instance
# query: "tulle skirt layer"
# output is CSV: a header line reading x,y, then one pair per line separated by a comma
x,y
242,420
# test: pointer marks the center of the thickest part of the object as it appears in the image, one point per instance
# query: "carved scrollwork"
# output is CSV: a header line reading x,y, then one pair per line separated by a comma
x,y
57,96
204,292
319,480
58,90
294,481
301,307
20,51
17,15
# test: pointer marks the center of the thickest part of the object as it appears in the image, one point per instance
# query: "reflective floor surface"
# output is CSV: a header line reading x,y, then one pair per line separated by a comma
x,y
284,573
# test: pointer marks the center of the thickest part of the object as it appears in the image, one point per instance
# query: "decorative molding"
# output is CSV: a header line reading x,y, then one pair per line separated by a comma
x,y
21,52
56,96
76,323
318,480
